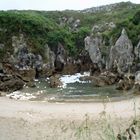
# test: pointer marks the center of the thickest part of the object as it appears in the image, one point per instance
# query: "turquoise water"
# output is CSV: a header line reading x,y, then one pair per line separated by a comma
x,y
76,92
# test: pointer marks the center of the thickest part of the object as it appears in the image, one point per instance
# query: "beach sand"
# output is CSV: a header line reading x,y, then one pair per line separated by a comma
x,y
34,120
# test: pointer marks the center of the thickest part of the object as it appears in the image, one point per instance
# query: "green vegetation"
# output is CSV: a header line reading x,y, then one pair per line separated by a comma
x,y
41,27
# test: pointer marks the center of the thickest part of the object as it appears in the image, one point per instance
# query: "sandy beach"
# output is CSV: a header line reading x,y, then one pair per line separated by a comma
x,y
33,120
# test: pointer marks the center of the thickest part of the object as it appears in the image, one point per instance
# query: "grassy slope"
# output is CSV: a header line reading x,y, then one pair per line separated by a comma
x,y
42,27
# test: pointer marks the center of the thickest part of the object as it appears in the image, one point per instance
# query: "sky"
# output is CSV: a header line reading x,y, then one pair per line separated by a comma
x,y
55,4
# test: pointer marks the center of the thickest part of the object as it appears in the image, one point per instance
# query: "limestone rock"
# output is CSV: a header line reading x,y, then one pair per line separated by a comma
x,y
137,82
121,55
12,85
126,83
50,57
55,81
104,79
27,75
137,77
137,51
60,58
92,46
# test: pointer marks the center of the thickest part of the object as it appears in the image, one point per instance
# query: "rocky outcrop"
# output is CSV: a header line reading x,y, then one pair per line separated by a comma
x,y
50,57
109,8
24,59
60,58
103,27
27,75
72,23
55,81
9,83
121,55
137,82
126,83
104,79
137,77
137,51
92,46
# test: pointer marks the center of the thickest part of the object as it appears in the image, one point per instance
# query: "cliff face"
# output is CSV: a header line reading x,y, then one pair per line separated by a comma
x,y
55,40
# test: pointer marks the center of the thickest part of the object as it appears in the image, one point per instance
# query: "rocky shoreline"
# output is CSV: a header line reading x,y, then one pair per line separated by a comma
x,y
119,68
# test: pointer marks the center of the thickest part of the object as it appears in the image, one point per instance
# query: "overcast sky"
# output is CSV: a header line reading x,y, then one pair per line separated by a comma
x,y
54,4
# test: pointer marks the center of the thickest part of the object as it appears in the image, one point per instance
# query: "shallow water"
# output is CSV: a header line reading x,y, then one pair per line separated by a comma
x,y
76,92
73,90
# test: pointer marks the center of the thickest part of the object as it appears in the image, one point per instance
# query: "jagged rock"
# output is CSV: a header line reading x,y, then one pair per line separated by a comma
x,y
137,51
95,29
108,8
137,83
55,81
137,77
92,46
60,58
50,57
121,55
38,62
72,23
12,85
18,42
126,83
103,27
76,24
24,59
104,79
27,75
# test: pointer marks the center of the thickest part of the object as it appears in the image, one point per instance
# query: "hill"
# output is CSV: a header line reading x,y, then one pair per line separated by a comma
x,y
69,27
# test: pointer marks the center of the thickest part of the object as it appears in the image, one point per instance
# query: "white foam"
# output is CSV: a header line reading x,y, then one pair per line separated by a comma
x,y
18,95
66,79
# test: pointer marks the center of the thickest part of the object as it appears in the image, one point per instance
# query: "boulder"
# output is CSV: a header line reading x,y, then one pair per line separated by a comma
x,y
121,55
55,81
11,85
104,79
27,75
126,83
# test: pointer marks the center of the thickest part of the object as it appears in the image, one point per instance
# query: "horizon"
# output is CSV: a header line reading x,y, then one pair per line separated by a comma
x,y
56,5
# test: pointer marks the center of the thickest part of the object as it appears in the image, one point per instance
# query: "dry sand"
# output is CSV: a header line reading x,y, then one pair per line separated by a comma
x,y
28,120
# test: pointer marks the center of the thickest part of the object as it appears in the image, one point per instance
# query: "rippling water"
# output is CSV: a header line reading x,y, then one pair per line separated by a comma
x,y
73,90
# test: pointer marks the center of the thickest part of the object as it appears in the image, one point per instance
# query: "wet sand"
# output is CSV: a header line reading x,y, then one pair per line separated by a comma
x,y
34,120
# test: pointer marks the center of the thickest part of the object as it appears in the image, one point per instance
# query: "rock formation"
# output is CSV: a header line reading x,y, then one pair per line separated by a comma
x,y
60,57
92,46
50,57
121,55
137,51
55,81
